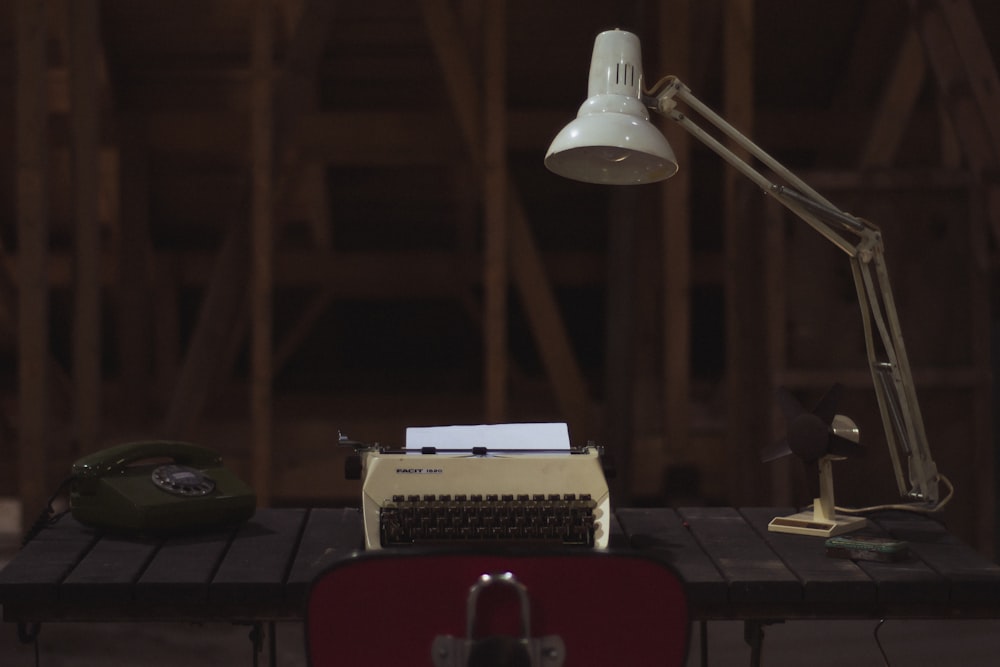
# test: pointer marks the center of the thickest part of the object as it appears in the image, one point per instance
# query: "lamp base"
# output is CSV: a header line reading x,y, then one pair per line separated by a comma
x,y
809,523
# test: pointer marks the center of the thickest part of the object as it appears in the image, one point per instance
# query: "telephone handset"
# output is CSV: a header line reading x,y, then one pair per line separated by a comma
x,y
158,487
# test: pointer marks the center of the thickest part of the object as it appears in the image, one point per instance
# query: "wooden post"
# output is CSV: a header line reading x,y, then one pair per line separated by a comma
x,y
776,316
135,313
675,26
495,277
626,359
33,238
261,251
746,346
984,457
84,84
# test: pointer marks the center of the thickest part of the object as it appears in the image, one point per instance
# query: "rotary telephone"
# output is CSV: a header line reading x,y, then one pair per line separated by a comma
x,y
157,487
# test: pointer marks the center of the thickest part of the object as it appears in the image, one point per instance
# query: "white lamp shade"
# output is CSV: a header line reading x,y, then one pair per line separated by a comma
x,y
611,141
613,149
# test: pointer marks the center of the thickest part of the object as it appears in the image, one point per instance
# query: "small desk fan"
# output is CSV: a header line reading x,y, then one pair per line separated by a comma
x,y
821,436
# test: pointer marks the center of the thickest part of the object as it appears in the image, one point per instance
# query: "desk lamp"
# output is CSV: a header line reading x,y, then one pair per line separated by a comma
x,y
612,142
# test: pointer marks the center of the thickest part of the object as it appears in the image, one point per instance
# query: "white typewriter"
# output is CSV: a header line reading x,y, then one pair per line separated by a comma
x,y
500,493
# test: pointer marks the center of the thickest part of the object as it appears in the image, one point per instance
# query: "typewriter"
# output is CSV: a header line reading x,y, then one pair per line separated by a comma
x,y
484,496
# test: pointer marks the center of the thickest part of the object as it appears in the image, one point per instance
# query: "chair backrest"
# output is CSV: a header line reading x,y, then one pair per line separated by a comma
x,y
387,608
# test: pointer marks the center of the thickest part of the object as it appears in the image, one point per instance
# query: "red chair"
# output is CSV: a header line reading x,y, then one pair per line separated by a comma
x,y
471,608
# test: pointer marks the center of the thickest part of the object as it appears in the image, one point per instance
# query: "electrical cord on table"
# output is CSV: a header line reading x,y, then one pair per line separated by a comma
x,y
904,506
27,633
885,658
47,516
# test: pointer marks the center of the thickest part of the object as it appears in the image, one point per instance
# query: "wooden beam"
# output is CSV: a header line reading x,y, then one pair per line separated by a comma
x,y
300,328
888,179
746,349
136,333
386,137
899,98
495,186
542,310
61,19
631,336
675,200
775,314
166,338
969,85
951,147
300,179
33,239
387,272
261,251
222,305
876,25
296,89
444,29
300,174
952,73
983,401
527,270
977,59
84,40
297,81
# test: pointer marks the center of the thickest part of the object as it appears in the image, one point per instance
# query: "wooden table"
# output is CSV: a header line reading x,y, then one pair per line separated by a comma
x,y
732,567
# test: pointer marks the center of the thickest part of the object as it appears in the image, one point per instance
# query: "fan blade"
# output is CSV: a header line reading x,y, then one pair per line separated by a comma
x,y
826,409
790,406
809,437
813,435
775,451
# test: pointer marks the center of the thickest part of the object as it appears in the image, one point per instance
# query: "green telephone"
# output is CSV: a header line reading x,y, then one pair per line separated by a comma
x,y
157,487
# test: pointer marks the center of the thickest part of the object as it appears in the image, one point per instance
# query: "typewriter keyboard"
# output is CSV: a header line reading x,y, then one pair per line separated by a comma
x,y
435,519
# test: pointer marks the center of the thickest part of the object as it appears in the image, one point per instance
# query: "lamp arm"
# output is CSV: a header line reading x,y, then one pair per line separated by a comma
x,y
887,359
799,203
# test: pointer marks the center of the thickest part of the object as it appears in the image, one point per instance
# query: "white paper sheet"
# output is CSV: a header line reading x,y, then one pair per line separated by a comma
x,y
547,435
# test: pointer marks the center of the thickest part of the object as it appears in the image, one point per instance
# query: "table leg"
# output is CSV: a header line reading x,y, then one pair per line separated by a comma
x,y
257,640
27,633
273,644
753,635
703,636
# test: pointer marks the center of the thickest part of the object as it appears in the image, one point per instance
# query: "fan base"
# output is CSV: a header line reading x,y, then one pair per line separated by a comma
x,y
808,523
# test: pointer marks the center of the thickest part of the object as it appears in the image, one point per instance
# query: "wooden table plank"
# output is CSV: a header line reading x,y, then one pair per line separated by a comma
x,y
41,565
254,568
182,569
826,581
756,576
329,535
908,587
108,571
664,532
732,568
974,580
